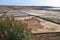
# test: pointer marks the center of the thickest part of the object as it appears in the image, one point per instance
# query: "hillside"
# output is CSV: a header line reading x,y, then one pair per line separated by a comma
x,y
3,7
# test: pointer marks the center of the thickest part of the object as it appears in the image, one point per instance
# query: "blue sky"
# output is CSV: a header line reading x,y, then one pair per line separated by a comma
x,y
31,2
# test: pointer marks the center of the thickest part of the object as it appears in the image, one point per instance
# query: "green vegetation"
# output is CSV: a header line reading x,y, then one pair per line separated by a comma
x,y
11,29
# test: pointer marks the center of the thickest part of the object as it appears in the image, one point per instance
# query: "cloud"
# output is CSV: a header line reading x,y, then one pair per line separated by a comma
x,y
53,3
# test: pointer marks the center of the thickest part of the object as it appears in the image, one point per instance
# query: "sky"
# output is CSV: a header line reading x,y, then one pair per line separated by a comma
x,y
55,3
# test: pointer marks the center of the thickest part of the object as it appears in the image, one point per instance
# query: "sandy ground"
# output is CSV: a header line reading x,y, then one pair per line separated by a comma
x,y
37,25
50,15
48,27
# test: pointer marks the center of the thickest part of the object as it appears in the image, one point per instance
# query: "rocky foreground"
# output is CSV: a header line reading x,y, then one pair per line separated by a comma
x,y
41,29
